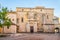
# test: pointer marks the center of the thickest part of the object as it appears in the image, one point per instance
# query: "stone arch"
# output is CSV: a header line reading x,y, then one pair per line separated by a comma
x,y
57,29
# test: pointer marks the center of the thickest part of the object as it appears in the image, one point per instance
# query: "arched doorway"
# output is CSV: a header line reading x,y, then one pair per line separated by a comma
x,y
57,30
31,29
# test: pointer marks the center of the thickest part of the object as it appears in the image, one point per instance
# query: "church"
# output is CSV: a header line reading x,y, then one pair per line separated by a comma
x,y
37,19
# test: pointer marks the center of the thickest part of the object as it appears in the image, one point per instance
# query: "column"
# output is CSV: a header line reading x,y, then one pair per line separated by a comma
x,y
28,27
35,27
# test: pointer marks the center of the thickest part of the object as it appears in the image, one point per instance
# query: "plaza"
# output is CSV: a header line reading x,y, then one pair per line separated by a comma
x,y
33,36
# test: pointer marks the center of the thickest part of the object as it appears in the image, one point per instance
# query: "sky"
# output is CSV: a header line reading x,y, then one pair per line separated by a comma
x,y
12,4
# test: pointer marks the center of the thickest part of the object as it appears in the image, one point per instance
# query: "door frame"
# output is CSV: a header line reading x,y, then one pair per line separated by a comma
x,y
31,29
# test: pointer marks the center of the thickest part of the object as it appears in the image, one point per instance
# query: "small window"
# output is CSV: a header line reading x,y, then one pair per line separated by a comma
x,y
22,19
43,17
47,16
35,15
17,20
12,19
41,10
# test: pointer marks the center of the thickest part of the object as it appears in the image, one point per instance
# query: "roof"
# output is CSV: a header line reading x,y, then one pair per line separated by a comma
x,y
38,7
13,12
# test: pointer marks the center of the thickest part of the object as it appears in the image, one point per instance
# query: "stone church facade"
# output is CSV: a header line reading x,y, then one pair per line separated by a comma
x,y
38,19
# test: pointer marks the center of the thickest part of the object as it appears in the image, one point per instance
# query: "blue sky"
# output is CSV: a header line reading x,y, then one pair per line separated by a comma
x,y
12,4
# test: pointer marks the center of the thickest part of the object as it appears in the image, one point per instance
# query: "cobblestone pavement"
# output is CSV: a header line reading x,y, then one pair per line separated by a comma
x,y
32,36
